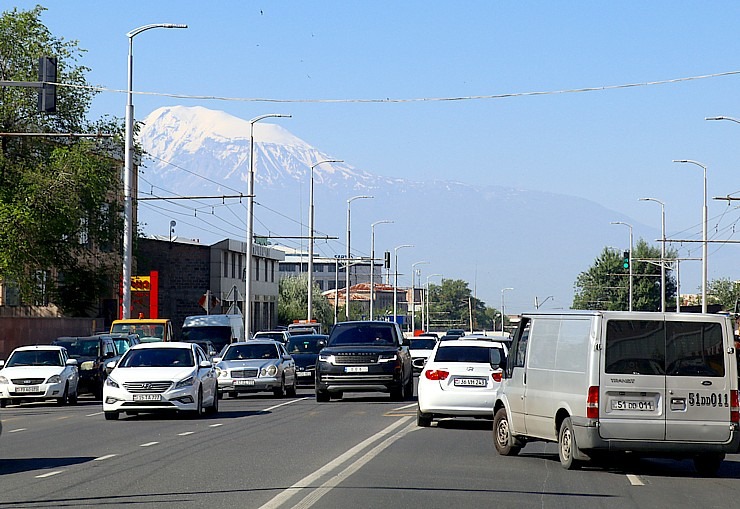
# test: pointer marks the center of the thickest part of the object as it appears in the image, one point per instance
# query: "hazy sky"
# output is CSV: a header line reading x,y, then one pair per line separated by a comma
x,y
612,146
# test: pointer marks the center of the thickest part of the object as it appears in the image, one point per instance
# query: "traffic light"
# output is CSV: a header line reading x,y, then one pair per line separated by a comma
x,y
47,93
387,260
626,260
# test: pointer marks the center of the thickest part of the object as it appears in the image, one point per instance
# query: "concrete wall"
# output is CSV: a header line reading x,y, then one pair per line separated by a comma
x,y
22,331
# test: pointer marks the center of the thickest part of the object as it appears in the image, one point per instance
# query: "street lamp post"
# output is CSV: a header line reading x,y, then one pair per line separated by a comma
x,y
128,177
503,308
250,226
395,279
413,293
347,261
662,251
427,299
372,263
630,260
704,250
309,303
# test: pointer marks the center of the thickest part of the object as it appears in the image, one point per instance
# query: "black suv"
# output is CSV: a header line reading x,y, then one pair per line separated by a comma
x,y
92,353
365,356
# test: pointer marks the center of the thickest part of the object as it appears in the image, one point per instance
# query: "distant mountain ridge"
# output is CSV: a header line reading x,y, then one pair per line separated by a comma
x,y
491,236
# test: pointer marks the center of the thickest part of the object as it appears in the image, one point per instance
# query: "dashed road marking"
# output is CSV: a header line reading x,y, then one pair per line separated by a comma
x,y
17,430
148,444
215,425
93,415
106,457
186,433
635,480
49,474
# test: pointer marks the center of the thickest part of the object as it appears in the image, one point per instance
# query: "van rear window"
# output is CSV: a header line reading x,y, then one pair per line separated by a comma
x,y
644,347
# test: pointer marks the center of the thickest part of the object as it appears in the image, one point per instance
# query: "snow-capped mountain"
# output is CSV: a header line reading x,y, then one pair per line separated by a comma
x,y
493,237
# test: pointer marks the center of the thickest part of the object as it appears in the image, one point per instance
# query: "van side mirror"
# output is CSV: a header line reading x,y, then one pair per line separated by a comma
x,y
406,342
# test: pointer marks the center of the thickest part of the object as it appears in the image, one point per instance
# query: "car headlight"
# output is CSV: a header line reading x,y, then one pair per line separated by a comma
x,y
387,357
54,379
87,365
326,358
222,372
3,380
111,383
185,383
269,371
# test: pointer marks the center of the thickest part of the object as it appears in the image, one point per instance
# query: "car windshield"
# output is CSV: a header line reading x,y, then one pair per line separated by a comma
x,y
158,358
380,335
422,344
121,345
459,353
148,332
35,358
277,336
254,351
80,347
306,344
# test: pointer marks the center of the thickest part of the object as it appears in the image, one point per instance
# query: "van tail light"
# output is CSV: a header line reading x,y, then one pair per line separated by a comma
x,y
592,402
436,374
497,376
734,407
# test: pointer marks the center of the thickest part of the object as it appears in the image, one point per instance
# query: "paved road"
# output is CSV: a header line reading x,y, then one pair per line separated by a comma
x,y
364,451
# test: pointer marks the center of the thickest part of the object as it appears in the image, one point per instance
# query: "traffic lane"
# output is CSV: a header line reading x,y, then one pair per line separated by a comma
x,y
252,455
454,463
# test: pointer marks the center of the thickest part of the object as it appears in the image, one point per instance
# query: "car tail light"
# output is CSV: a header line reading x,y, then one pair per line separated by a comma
x,y
592,402
734,407
436,374
497,376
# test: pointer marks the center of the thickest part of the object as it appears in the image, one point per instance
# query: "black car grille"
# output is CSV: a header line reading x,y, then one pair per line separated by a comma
x,y
244,373
354,358
27,381
147,387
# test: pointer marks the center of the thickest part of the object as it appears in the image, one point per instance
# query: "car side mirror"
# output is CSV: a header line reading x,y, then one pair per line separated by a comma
x,y
287,358
108,355
110,367
216,360
205,364
70,362
2,363
406,342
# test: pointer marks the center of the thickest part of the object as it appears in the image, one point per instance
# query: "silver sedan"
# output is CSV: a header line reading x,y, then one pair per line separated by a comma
x,y
256,366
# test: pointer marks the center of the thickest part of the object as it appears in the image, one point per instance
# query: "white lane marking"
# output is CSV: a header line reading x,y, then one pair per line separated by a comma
x,y
283,404
148,444
335,480
635,480
106,457
307,481
404,407
17,430
215,425
93,415
49,474
185,433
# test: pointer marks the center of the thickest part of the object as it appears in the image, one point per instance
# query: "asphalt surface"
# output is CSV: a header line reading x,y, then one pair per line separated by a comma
x,y
362,451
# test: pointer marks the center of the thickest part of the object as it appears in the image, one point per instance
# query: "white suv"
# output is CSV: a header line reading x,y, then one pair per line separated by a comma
x,y
38,373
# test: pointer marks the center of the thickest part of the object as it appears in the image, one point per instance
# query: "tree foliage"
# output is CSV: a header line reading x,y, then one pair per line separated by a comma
x,y
293,301
450,305
58,195
726,292
605,285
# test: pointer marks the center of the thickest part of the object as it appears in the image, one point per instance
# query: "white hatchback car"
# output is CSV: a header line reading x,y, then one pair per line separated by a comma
x,y
161,377
39,373
460,378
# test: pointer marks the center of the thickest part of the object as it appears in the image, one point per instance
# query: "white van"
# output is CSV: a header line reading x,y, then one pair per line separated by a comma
x,y
218,329
655,384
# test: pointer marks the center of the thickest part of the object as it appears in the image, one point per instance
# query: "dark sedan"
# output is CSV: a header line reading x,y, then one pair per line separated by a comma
x,y
305,350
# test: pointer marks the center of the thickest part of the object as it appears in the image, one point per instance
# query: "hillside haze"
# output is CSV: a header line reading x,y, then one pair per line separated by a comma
x,y
493,237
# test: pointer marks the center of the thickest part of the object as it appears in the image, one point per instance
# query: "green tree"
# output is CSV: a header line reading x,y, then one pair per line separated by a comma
x,y
58,195
724,291
293,301
450,305
605,285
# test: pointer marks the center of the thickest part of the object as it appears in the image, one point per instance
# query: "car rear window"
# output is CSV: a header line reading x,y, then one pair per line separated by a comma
x,y
644,347
460,353
423,344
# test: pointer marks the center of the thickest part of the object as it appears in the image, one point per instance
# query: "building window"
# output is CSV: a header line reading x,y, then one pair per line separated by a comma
x,y
240,265
321,285
226,264
319,268
233,265
272,271
257,269
331,268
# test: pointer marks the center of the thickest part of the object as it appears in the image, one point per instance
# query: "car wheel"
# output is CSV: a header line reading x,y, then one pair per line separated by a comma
x,y
132,413
213,409
707,465
409,388
293,389
199,406
336,395
397,393
567,447
322,396
423,420
234,394
111,416
502,439
72,399
63,399
3,403
279,392
98,393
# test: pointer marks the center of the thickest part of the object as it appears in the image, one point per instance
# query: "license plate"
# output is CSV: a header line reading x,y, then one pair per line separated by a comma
x,y
620,404
243,382
305,373
355,369
27,388
147,397
470,382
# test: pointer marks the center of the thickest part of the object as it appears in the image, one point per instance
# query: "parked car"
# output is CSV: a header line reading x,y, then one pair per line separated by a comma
x,y
460,378
38,373
420,349
276,335
256,365
92,353
161,377
365,356
305,351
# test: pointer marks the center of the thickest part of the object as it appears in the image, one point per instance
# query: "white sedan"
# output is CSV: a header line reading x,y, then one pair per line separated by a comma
x,y
39,373
161,377
460,378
